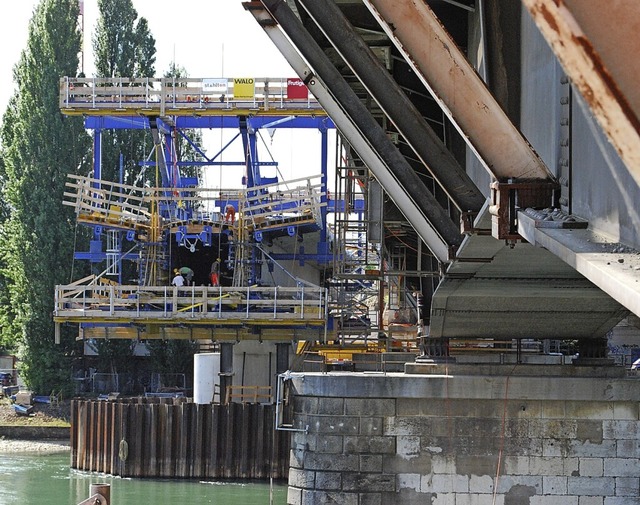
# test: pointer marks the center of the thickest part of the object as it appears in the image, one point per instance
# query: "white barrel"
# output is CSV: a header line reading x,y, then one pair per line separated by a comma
x,y
206,374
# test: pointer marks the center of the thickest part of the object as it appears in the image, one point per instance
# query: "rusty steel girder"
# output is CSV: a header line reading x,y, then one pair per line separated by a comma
x,y
597,45
444,70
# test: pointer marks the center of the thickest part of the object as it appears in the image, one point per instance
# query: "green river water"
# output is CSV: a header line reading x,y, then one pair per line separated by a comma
x,y
48,480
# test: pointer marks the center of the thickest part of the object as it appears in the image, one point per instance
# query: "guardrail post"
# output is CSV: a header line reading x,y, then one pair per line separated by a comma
x,y
275,302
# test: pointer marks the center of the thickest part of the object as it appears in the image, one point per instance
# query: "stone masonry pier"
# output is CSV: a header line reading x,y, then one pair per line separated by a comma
x,y
466,434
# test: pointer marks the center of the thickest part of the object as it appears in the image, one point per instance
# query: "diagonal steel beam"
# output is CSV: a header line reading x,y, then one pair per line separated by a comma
x,y
597,47
354,121
396,105
446,73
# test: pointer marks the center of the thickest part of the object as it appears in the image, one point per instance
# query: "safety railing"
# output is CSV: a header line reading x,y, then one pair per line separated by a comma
x,y
103,302
169,96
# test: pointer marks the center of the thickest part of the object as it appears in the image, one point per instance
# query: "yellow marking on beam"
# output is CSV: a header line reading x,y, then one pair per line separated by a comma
x,y
194,112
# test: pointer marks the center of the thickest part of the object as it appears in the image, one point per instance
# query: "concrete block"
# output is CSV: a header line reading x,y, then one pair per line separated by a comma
x,y
443,499
328,498
294,496
520,485
628,449
590,486
370,498
448,483
627,486
409,497
621,467
306,404
371,463
477,427
418,426
398,464
553,410
334,425
296,458
436,445
367,444
481,484
590,500
619,500
554,448
581,449
553,428
330,406
589,410
443,464
589,430
552,485
516,428
546,466
328,481
303,479
331,462
368,482
516,465
477,446
524,446
620,430
410,481
626,411
385,407
477,465
591,467
571,467
553,500
371,426
408,447
328,444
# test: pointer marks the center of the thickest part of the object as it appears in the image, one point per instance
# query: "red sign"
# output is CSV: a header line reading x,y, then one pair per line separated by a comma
x,y
296,89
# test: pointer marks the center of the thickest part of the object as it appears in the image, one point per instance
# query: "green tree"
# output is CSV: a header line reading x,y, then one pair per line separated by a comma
x,y
123,48
40,146
184,150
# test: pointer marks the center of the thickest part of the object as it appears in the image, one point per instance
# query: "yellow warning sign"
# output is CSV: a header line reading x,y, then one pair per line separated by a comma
x,y
244,87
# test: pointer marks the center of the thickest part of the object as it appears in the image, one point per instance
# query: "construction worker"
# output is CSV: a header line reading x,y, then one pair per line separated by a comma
x,y
215,273
187,273
229,214
178,280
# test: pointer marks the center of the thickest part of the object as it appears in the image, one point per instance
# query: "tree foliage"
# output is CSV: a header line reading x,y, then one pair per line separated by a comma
x,y
123,48
40,147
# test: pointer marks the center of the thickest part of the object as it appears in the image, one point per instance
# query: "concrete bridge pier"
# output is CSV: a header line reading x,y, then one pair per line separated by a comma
x,y
509,434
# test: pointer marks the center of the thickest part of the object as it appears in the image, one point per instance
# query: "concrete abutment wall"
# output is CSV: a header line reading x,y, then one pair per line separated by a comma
x,y
514,437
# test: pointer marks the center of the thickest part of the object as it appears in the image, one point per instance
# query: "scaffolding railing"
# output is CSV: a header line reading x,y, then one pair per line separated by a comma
x,y
76,303
176,96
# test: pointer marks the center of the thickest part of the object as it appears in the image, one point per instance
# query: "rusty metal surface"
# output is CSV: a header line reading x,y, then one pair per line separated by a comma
x,y
453,82
597,48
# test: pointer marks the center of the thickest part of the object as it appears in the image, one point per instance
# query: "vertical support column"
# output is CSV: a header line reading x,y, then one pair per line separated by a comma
x,y
97,154
282,357
226,370
323,247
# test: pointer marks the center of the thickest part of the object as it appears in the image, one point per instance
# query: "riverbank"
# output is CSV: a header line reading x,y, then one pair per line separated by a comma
x,y
10,446
46,431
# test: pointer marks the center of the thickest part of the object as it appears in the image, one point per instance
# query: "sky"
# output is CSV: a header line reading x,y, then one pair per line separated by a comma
x,y
209,38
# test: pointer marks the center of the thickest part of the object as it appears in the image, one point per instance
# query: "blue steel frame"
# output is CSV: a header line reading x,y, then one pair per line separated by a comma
x,y
171,178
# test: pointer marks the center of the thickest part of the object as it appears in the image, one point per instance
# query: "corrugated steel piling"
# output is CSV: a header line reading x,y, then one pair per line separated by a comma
x,y
174,438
